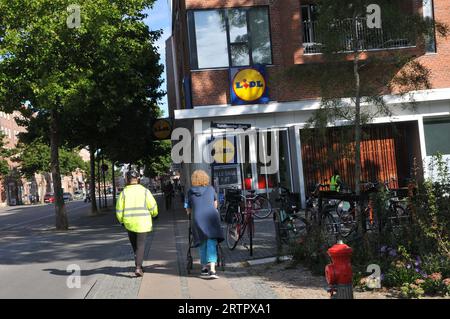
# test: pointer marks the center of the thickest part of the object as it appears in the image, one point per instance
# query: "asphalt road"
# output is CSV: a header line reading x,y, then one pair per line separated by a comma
x,y
34,257
35,216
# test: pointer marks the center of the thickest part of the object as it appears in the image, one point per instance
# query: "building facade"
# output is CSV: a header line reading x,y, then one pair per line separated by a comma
x,y
17,190
213,41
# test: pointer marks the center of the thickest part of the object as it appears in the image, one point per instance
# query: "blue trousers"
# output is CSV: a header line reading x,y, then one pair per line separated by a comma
x,y
208,251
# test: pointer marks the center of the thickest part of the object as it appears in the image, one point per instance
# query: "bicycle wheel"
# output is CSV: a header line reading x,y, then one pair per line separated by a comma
x,y
330,228
233,231
220,258
295,230
278,230
261,207
346,224
397,218
223,211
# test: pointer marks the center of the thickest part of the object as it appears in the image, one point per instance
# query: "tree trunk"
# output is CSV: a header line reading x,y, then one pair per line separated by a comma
x,y
359,217
113,183
99,178
357,125
104,181
61,215
94,209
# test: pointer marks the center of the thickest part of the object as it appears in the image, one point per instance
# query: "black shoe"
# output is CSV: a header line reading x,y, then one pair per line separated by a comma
x,y
205,272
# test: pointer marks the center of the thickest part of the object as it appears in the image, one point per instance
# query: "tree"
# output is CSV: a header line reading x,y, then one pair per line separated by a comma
x,y
159,162
114,113
4,154
39,67
35,158
343,38
79,77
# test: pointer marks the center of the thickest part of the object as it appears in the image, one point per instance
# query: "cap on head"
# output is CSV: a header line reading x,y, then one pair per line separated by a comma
x,y
132,174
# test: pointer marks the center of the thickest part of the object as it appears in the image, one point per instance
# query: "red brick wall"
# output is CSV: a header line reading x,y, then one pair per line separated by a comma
x,y
439,63
211,87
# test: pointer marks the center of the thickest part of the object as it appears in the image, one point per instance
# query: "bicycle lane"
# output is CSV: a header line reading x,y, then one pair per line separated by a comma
x,y
166,274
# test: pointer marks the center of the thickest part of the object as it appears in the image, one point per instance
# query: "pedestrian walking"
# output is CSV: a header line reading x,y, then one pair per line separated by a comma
x,y
168,194
135,209
201,206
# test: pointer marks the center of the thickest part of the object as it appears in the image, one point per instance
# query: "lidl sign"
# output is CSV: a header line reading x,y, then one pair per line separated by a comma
x,y
224,151
162,129
249,85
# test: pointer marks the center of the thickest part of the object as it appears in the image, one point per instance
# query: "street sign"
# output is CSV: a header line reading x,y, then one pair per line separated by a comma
x,y
162,129
235,126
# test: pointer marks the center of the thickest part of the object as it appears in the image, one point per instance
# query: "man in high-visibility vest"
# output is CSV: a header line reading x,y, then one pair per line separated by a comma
x,y
335,182
135,209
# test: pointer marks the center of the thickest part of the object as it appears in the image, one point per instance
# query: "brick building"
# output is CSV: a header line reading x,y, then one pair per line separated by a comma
x,y
212,40
14,189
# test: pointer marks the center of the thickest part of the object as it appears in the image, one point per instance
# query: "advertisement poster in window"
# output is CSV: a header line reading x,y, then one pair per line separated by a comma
x,y
248,85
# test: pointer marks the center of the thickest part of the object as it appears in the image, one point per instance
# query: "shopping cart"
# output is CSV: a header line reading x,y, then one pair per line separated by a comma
x,y
190,259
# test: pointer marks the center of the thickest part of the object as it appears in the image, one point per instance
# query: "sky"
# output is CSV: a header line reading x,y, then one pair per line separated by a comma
x,y
159,17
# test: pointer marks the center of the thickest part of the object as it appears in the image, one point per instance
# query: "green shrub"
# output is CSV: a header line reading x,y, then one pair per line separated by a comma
x,y
398,275
412,290
436,263
433,284
312,252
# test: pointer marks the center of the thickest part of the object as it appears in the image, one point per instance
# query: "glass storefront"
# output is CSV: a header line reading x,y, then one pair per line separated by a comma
x,y
264,161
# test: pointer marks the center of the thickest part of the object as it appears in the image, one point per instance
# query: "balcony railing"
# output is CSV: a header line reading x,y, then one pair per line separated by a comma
x,y
354,33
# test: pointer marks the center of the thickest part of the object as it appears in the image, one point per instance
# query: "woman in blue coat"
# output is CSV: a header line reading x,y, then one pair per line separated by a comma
x,y
201,202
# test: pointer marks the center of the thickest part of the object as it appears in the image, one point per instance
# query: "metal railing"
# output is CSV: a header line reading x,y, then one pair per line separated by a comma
x,y
354,33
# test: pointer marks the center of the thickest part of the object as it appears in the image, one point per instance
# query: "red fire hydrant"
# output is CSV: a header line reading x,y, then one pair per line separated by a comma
x,y
339,273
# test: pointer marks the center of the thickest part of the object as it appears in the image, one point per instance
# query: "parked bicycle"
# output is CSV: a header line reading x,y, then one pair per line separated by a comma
x,y
339,215
232,196
312,203
228,202
397,213
290,227
242,220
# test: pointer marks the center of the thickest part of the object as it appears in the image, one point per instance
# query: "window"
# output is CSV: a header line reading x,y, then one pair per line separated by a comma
x,y
351,34
260,39
229,37
428,14
309,25
309,17
238,29
436,136
210,39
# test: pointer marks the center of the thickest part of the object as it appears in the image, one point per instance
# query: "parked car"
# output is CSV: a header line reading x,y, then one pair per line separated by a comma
x,y
78,195
49,198
67,197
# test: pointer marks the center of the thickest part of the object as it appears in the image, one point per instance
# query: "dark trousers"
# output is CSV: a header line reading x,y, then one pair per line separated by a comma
x,y
137,241
168,198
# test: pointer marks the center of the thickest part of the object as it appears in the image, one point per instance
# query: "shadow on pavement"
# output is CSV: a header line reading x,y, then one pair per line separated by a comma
x,y
126,272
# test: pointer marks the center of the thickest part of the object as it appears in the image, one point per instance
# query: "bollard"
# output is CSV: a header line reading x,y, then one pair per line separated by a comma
x,y
339,273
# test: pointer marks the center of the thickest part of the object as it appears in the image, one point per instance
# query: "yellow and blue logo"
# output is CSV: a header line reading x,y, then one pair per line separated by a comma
x,y
162,129
249,86
224,151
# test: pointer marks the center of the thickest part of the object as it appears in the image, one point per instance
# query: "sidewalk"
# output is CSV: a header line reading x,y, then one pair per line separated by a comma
x,y
100,247
165,268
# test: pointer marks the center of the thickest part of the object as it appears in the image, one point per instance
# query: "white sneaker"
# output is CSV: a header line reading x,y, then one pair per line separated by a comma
x,y
213,275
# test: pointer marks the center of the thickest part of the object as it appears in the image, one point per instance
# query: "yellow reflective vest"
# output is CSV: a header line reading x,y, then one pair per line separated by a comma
x,y
135,208
334,183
